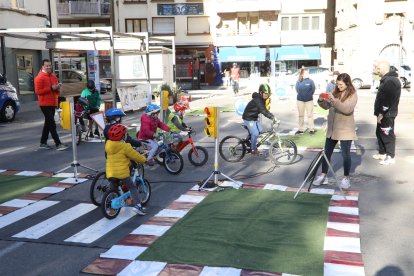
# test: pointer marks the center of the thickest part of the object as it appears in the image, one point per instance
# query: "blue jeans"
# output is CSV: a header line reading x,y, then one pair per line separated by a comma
x,y
346,154
254,128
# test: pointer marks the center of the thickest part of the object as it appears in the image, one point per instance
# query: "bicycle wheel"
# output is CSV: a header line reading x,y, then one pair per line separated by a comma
x,y
78,134
159,158
98,187
232,149
144,191
285,153
198,157
106,208
173,162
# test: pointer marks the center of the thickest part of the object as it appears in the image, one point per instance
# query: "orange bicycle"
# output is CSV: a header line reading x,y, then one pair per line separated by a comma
x,y
197,155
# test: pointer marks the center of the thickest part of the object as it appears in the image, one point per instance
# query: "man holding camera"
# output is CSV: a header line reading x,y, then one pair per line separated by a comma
x,y
47,88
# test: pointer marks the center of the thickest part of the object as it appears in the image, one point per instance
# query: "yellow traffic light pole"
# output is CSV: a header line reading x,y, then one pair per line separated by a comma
x,y
212,130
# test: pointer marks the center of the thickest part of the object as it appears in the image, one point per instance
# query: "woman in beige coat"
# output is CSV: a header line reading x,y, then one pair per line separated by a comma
x,y
341,127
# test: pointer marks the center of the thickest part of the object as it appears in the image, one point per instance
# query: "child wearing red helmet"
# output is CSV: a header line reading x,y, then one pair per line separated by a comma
x,y
119,155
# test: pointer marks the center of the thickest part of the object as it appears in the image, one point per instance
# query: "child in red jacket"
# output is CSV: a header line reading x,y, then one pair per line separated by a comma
x,y
149,124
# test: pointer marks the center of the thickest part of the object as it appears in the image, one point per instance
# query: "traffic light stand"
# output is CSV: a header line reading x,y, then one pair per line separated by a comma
x,y
217,172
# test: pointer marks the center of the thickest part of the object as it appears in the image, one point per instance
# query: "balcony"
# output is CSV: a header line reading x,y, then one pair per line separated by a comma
x,y
234,38
83,8
225,6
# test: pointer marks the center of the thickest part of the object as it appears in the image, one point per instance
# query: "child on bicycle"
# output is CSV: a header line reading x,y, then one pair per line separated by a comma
x,y
175,121
250,115
79,112
149,124
119,155
94,102
114,116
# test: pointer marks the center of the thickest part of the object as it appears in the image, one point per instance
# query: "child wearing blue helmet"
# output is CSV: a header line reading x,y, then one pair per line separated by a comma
x,y
114,116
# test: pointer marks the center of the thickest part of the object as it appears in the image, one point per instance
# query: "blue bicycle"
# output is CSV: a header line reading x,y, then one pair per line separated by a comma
x,y
119,196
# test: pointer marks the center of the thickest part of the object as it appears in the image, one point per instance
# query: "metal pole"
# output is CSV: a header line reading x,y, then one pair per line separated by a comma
x,y
73,132
216,147
3,55
114,77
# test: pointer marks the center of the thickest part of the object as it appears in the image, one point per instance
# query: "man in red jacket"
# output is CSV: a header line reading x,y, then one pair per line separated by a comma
x,y
47,89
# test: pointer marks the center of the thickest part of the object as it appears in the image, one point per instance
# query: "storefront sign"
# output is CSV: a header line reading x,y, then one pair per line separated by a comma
x,y
134,97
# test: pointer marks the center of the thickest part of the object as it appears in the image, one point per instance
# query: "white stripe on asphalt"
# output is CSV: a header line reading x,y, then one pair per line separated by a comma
x,y
11,150
39,230
101,227
25,212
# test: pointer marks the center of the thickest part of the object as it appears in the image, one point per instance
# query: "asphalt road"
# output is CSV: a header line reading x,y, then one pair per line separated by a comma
x,y
385,201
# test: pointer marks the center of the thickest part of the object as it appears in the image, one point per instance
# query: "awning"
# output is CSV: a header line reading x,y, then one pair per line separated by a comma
x,y
230,54
298,52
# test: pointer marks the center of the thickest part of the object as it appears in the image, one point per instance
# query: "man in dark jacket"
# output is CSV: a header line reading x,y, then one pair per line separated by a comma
x,y
386,109
250,115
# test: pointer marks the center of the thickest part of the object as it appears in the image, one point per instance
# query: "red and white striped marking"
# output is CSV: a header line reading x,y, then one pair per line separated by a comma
x,y
342,242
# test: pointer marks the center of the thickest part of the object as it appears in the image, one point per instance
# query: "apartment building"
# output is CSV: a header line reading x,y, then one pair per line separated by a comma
x,y
21,59
366,31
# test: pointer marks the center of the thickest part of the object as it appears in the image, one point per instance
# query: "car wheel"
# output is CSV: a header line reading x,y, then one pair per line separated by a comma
x,y
403,82
357,83
8,112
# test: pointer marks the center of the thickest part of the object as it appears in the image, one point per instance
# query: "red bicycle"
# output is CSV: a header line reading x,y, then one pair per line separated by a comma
x,y
197,155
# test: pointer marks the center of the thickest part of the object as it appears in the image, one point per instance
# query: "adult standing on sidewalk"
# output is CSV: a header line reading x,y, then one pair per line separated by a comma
x,y
305,88
341,127
235,77
386,110
47,89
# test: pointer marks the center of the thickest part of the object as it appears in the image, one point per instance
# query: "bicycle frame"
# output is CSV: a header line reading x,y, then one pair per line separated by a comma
x,y
181,145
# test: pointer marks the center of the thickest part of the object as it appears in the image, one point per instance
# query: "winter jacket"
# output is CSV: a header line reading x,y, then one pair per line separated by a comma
x,y
149,127
341,122
256,106
43,87
94,99
118,156
388,95
175,122
305,90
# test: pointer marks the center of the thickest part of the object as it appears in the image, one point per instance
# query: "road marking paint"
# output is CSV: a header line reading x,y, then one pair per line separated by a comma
x,y
10,248
348,227
18,203
146,229
25,212
342,244
11,150
344,210
39,230
49,190
143,268
124,252
28,173
101,227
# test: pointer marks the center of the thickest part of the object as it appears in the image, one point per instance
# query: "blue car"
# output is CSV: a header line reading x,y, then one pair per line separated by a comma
x,y
9,102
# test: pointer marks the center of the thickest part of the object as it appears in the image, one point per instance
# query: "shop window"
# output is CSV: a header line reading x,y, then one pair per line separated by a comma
x,y
163,25
198,25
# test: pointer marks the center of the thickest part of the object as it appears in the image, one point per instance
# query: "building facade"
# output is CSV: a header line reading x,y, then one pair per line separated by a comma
x,y
21,59
364,34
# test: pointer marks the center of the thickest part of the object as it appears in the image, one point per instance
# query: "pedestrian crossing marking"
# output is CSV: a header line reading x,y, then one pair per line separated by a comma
x,y
18,203
25,212
123,252
49,190
28,173
39,230
101,227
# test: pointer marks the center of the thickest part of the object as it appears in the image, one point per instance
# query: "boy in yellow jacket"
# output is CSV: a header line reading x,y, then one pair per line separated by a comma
x,y
119,155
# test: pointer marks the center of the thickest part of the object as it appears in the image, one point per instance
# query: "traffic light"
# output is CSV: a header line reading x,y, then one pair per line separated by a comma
x,y
211,121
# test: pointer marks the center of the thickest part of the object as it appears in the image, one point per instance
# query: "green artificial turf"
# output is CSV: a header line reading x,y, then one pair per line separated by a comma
x,y
13,186
263,230
309,141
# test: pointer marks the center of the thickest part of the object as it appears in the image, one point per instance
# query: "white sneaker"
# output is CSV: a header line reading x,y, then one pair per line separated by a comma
x,y
379,156
388,161
345,183
320,180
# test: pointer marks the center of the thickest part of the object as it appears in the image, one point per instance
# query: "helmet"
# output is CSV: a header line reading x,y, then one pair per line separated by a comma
x,y
152,108
112,113
117,132
179,106
91,85
264,88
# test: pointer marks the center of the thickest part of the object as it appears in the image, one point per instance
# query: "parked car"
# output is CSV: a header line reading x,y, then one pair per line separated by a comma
x,y
73,82
404,73
9,102
319,75
105,85
361,79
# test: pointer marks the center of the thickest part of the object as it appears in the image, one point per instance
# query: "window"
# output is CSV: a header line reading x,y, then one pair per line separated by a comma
x,y
315,22
300,23
294,23
134,1
20,4
285,24
305,23
198,25
163,25
136,25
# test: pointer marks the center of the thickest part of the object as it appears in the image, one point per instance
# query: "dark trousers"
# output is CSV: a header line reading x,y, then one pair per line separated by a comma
x,y
386,137
49,125
346,154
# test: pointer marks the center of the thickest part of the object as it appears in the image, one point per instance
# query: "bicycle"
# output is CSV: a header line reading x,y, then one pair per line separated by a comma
x,y
166,156
100,184
118,195
80,113
281,150
197,155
